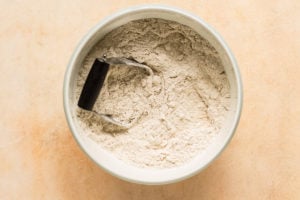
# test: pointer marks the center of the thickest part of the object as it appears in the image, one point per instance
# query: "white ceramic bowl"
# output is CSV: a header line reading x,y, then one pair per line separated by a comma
x,y
104,159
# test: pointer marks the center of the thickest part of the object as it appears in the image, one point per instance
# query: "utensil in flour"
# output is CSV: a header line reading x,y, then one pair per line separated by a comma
x,y
94,83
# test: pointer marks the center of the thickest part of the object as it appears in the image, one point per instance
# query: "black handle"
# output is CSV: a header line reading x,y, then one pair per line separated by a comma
x,y
93,85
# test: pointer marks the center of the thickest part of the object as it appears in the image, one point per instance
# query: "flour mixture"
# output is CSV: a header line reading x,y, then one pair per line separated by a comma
x,y
176,112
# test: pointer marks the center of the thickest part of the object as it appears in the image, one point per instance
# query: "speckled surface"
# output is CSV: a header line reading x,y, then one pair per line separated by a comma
x,y
40,159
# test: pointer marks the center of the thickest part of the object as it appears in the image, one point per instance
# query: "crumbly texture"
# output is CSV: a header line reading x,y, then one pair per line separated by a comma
x,y
173,114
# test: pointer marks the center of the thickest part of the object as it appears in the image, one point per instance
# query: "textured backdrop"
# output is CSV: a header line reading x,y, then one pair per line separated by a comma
x,y
39,159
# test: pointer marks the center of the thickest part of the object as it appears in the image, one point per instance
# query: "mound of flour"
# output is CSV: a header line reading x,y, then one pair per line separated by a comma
x,y
176,113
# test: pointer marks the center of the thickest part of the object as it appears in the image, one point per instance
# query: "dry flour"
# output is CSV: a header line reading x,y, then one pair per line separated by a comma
x,y
176,113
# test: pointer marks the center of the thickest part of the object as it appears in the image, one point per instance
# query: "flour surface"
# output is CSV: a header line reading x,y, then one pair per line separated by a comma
x,y
176,112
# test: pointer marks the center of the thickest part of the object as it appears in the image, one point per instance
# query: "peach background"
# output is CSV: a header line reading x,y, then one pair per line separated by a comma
x,y
39,159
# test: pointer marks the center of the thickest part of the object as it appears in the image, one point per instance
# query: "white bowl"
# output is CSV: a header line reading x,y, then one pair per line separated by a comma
x,y
117,167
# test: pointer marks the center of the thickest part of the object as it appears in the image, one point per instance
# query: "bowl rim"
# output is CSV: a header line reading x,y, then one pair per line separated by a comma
x,y
158,7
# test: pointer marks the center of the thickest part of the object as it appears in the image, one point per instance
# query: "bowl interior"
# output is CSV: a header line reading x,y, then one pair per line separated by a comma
x,y
105,159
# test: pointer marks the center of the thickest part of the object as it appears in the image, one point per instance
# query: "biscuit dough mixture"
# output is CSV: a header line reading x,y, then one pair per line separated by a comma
x,y
176,112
